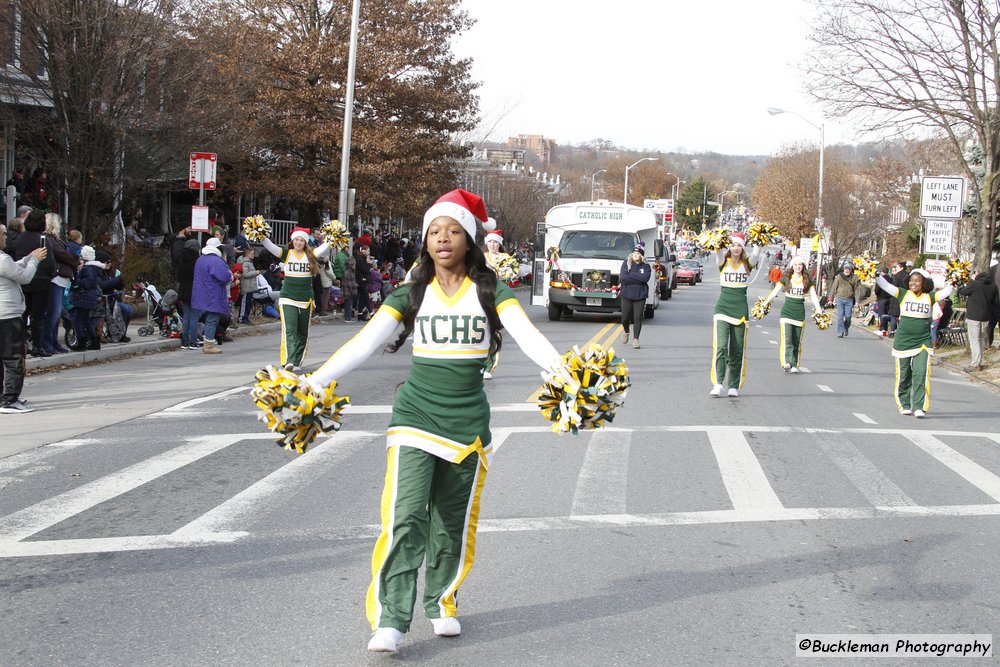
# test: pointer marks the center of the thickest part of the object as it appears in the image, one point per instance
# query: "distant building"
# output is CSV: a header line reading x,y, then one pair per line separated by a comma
x,y
508,158
544,148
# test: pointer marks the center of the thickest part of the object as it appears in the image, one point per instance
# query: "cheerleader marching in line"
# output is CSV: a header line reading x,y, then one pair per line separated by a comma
x,y
912,346
494,255
438,443
299,263
797,285
731,312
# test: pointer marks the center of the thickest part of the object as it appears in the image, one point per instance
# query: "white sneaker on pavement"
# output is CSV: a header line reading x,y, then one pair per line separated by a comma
x,y
906,411
786,367
716,391
446,627
487,375
734,393
385,640
794,369
919,414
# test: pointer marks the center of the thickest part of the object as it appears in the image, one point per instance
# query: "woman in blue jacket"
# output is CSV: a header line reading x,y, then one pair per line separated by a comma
x,y
634,282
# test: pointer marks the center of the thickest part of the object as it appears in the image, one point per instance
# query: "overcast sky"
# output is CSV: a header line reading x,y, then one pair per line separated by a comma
x,y
658,74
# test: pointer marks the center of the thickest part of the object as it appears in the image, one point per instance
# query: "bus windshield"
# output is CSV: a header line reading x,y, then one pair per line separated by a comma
x,y
597,244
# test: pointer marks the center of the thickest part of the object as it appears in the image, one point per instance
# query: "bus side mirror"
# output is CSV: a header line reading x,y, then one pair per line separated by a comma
x,y
658,248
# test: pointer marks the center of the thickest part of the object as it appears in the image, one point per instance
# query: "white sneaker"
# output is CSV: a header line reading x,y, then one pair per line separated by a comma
x,y
734,393
716,391
385,640
487,375
446,627
919,414
906,411
786,367
794,369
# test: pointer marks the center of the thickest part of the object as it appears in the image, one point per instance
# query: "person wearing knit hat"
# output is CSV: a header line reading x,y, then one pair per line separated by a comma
x,y
210,292
494,257
439,444
633,278
845,286
729,324
912,347
85,296
796,284
300,264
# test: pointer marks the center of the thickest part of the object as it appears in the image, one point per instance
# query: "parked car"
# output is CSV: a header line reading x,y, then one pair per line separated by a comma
x,y
690,271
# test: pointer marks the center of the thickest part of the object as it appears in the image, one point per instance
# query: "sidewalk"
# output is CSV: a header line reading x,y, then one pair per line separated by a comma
x,y
146,344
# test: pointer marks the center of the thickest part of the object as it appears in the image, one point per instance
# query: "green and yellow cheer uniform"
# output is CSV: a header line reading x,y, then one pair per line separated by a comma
x,y
730,320
911,347
296,302
438,443
792,317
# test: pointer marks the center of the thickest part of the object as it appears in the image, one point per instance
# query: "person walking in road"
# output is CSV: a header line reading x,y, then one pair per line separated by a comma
x,y
844,287
981,297
912,346
12,344
633,277
439,444
797,285
299,263
729,333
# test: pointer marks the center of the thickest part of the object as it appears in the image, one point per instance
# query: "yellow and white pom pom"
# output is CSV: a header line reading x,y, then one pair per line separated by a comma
x,y
762,234
507,268
335,233
715,238
294,409
866,267
256,229
958,273
760,309
585,390
822,319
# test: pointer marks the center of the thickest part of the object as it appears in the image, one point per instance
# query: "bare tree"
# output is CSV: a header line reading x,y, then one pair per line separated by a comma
x,y
919,65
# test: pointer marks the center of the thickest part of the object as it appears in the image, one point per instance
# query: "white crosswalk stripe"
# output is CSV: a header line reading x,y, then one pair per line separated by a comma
x,y
599,493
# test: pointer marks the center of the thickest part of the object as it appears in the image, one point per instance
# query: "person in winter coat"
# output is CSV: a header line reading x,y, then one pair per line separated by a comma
x,y
349,288
12,276
634,282
66,266
248,282
981,295
185,280
85,297
362,271
177,250
210,291
36,293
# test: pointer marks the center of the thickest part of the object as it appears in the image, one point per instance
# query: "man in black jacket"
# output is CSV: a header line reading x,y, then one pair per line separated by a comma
x,y
981,298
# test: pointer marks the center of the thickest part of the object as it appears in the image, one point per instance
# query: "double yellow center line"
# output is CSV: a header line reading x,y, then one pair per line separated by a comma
x,y
612,327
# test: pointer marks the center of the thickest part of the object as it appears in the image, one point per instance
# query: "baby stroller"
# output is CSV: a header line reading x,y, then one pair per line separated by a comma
x,y
159,309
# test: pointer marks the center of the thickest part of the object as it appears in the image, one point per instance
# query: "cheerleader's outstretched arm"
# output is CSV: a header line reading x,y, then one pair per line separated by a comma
x,y
774,293
754,255
528,338
322,249
720,256
355,351
944,292
270,246
814,299
886,286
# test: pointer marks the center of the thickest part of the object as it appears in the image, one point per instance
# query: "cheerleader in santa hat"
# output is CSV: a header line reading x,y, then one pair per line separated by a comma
x,y
494,255
729,333
299,263
912,347
797,285
439,443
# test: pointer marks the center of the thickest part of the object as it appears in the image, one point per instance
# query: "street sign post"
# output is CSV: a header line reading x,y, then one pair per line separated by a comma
x,y
942,197
939,237
202,172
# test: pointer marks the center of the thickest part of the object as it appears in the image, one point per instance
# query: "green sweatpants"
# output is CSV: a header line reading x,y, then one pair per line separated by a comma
x,y
294,333
729,352
430,508
913,379
791,344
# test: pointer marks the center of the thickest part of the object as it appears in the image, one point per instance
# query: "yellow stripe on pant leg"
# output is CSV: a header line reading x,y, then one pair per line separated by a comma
x,y
447,603
802,334
895,388
305,345
927,384
781,344
743,370
283,356
373,606
715,350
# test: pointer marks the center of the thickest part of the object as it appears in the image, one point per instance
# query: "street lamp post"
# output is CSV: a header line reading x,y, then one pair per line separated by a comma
x,y
628,168
774,111
592,177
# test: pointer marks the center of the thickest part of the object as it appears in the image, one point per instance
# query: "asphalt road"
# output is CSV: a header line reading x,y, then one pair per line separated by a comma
x,y
149,519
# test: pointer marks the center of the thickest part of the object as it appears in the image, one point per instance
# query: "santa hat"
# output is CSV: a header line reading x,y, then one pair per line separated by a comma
x,y
300,233
797,259
922,272
738,238
495,235
459,205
